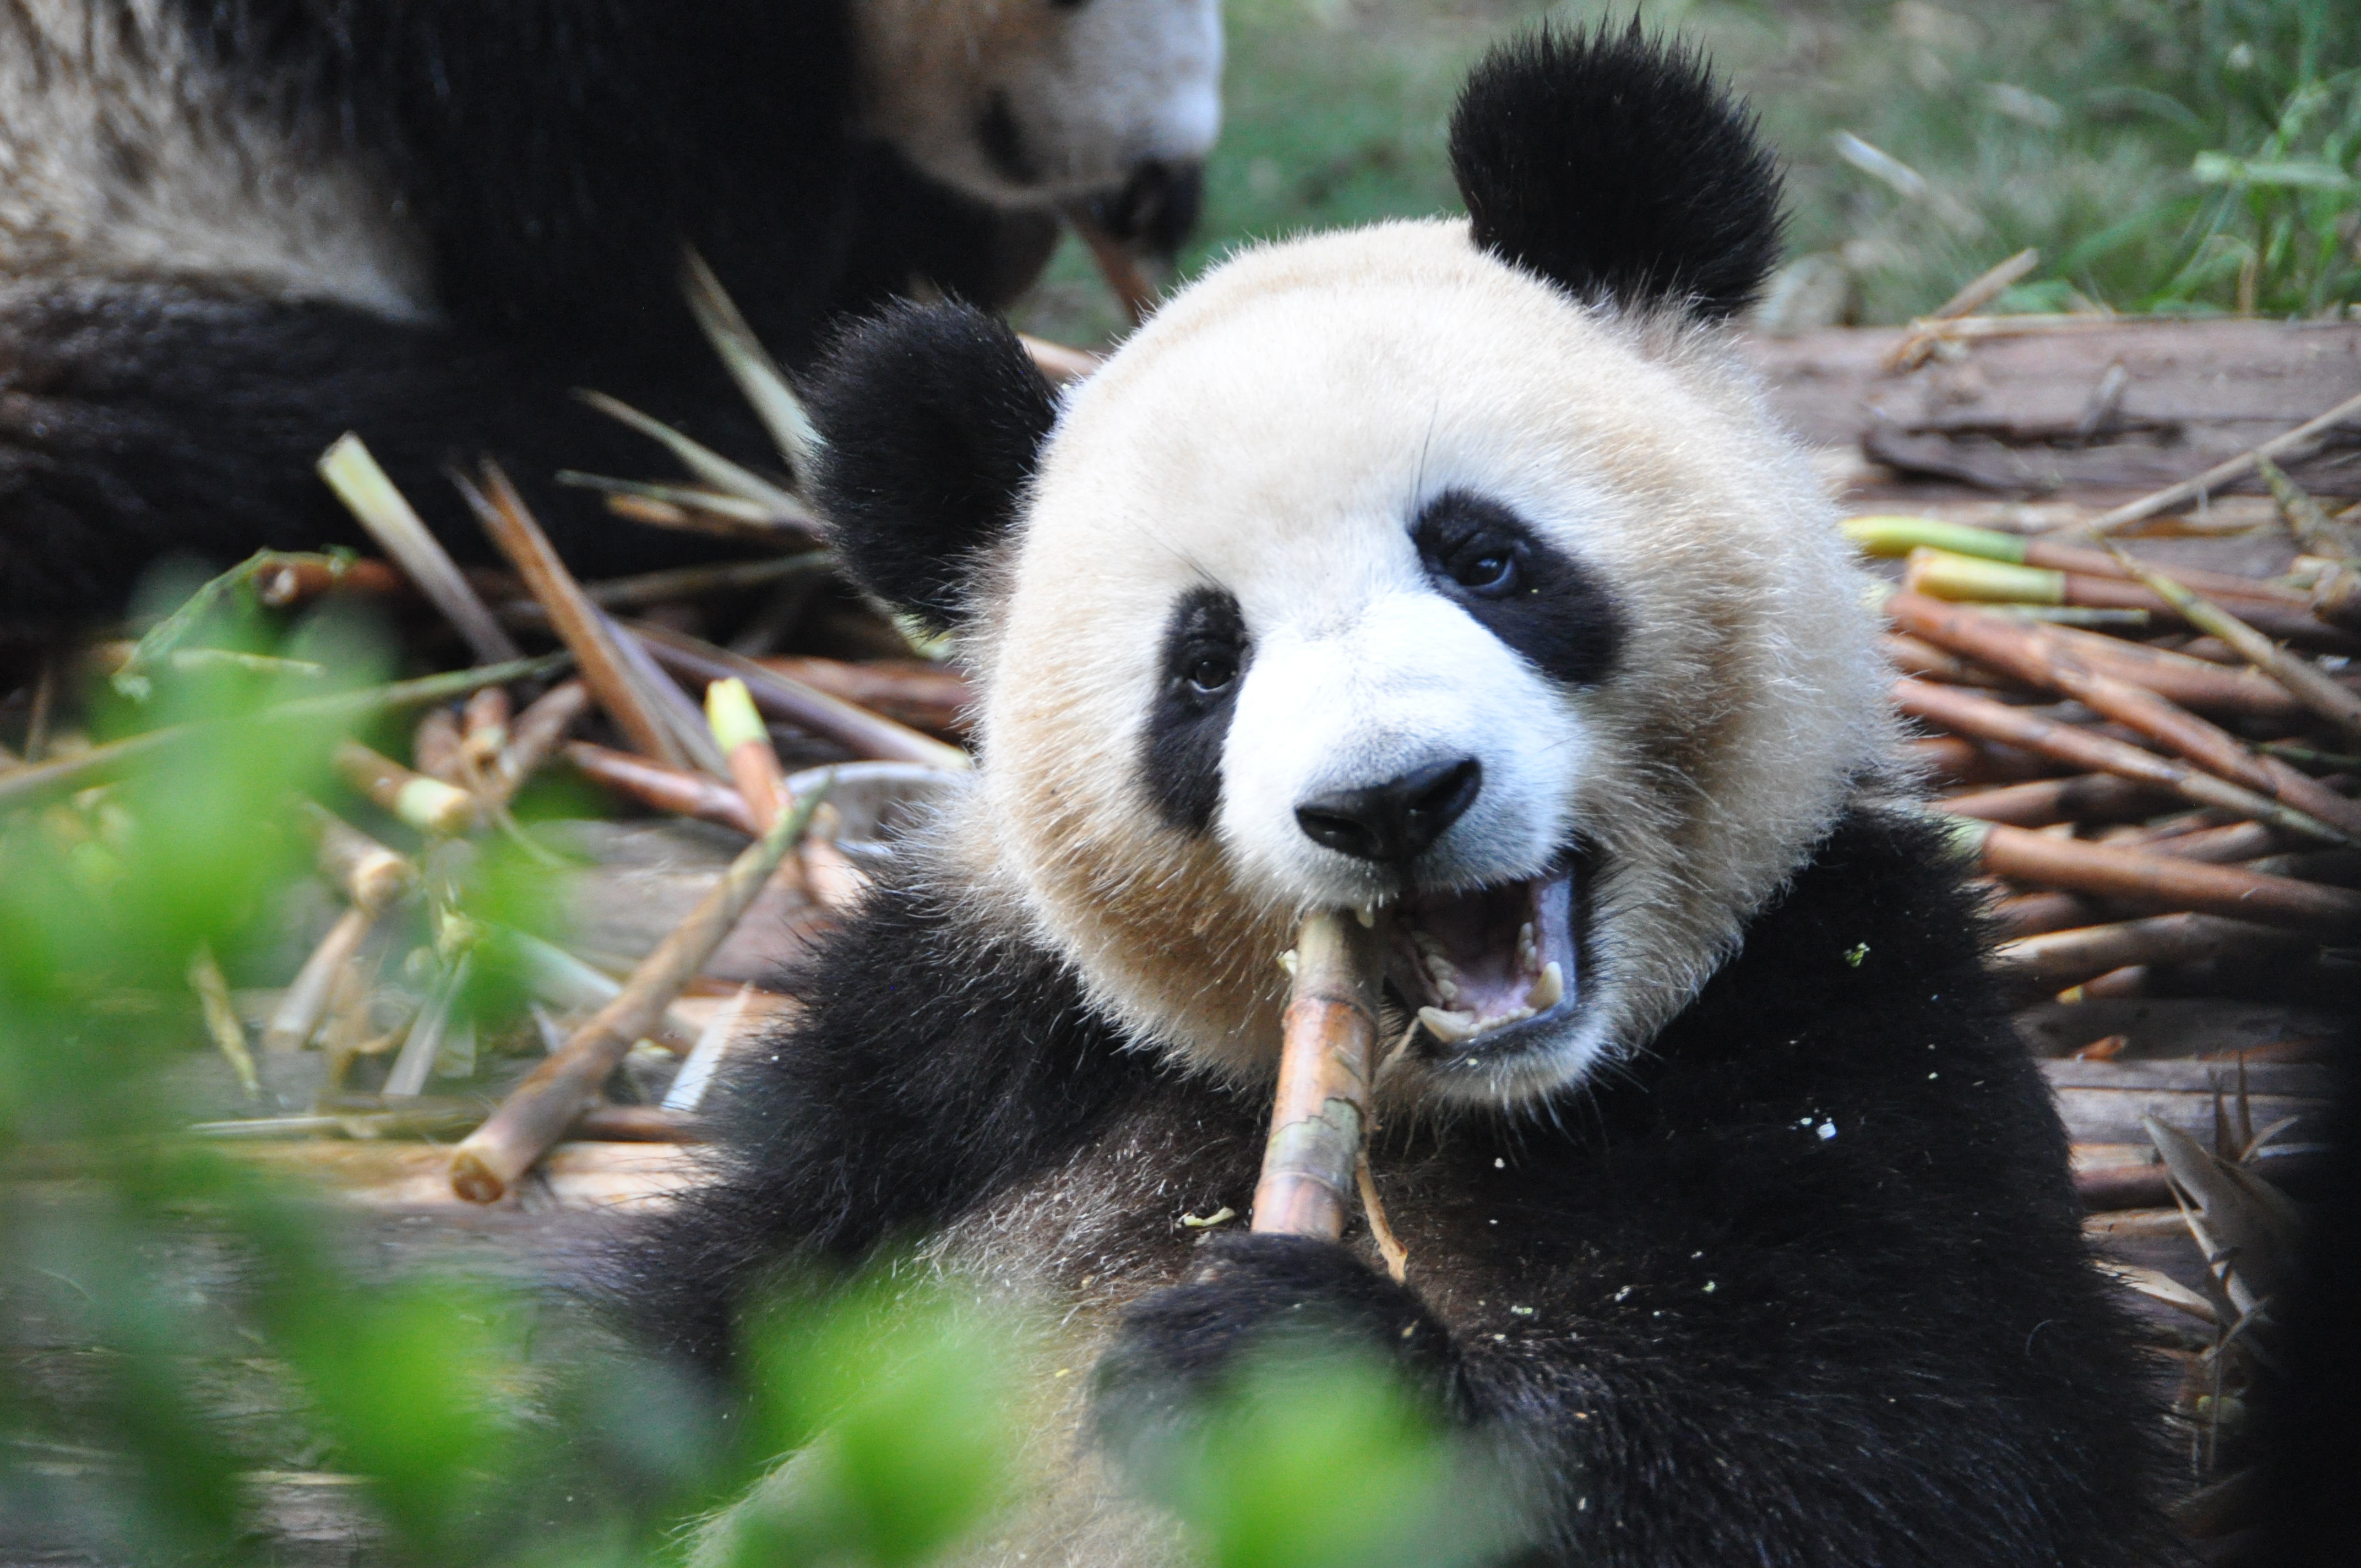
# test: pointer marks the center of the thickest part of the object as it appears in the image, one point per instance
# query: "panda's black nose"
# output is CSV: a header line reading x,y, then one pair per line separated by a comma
x,y
1397,820
1156,208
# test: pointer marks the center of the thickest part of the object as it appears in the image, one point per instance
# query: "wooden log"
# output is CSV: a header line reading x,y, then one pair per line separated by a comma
x,y
489,1160
2071,865
1327,1063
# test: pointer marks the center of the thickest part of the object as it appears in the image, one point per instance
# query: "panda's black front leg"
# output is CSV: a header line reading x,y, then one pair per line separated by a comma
x,y
1177,1352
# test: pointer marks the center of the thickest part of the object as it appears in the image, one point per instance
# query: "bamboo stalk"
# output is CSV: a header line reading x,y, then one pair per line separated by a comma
x,y
435,747
2307,685
753,763
2073,866
284,579
534,737
489,1160
369,874
577,620
708,465
484,727
764,386
1130,287
2076,798
560,978
2080,749
1915,656
1912,349
860,731
428,805
2314,529
1326,1064
909,691
1899,535
2031,914
205,978
2221,473
667,700
675,790
372,496
2057,960
1957,759
1964,578
2037,656
306,1000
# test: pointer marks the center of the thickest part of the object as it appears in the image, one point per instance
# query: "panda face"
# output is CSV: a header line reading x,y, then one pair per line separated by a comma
x,y
1375,572
1027,102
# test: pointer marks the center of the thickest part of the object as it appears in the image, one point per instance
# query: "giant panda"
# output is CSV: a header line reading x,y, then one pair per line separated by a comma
x,y
1452,569
232,229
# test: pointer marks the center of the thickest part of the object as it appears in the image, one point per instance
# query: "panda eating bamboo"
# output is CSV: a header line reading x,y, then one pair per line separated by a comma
x,y
1452,568
231,230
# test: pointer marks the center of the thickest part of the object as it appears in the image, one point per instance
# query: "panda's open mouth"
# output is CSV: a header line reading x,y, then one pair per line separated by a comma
x,y
1473,965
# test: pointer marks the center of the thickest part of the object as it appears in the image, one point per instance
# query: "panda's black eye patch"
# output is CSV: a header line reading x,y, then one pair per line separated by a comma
x,y
1200,667
1544,603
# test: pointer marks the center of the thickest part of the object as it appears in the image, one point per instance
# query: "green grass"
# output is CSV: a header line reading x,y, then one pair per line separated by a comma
x,y
2163,155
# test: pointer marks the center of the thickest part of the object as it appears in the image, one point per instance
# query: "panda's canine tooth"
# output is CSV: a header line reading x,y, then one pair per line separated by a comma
x,y
1448,1027
1549,990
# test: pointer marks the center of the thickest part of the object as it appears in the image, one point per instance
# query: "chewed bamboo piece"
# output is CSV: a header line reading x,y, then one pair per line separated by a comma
x,y
489,1160
1327,1060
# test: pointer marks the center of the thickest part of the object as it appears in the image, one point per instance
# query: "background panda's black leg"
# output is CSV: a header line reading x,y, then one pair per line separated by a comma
x,y
138,419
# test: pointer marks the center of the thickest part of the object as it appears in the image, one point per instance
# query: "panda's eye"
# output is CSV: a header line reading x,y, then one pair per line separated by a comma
x,y
1485,568
1211,673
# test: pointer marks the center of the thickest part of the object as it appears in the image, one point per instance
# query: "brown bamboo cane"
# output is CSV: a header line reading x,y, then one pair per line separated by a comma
x,y
1327,1061
2073,866
2031,654
676,790
533,737
487,1162
2056,959
2079,797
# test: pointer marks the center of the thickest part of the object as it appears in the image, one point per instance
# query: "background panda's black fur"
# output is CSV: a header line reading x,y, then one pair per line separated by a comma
x,y
1803,1282
555,155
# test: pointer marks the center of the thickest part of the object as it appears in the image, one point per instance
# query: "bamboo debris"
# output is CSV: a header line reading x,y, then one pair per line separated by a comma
x,y
2037,656
488,1162
283,580
2073,866
2041,802
1940,574
2306,519
435,747
2314,690
372,496
1914,345
2052,962
754,763
1327,1063
777,505
863,733
2082,750
535,734
759,378
909,691
579,622
675,790
212,987
560,978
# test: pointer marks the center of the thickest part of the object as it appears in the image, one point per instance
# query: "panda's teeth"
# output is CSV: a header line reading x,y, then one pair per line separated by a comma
x,y
1445,989
1529,956
1548,990
1448,1027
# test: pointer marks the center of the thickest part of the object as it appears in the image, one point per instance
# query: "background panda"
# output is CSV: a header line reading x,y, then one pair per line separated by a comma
x,y
232,229
1452,567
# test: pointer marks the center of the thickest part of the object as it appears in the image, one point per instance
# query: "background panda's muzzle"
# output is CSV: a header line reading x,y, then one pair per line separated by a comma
x,y
1157,207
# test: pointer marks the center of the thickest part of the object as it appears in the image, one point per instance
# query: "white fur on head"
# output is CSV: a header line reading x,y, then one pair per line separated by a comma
x,y
1085,93
122,154
1272,432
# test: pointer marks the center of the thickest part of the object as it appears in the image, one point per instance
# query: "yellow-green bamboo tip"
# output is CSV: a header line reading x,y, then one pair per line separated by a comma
x,y
729,708
353,473
1938,574
1901,535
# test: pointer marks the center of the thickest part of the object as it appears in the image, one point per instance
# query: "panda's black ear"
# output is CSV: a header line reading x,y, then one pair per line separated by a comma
x,y
1615,165
931,417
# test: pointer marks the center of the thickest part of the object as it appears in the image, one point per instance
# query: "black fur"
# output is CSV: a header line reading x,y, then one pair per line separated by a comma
x,y
1548,606
1708,1334
1615,166
1182,745
932,416
557,154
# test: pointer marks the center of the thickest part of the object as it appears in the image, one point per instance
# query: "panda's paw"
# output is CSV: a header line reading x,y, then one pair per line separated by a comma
x,y
1291,1303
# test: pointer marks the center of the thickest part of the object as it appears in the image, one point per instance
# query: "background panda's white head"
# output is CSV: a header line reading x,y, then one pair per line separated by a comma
x,y
1031,102
1449,565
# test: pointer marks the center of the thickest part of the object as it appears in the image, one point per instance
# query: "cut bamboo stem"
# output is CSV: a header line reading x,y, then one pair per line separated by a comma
x,y
533,736
306,1000
1327,1061
205,978
2073,866
428,805
2080,749
369,874
753,762
488,1161
675,790
364,487
2037,656
575,619
283,580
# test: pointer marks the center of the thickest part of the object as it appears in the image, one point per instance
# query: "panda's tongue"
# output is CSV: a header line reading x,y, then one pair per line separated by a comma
x,y
1475,961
